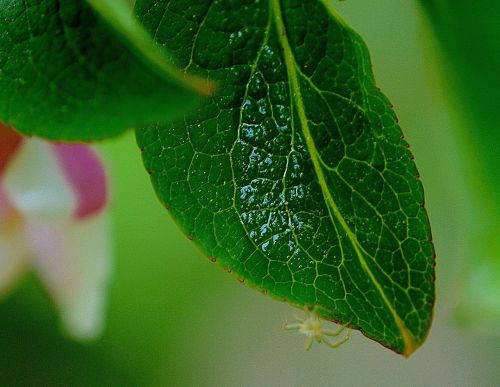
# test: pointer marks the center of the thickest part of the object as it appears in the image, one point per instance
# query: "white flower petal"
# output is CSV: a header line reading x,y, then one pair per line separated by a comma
x,y
73,259
36,185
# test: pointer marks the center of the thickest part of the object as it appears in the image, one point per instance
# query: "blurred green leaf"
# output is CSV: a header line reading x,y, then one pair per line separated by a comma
x,y
479,306
469,36
294,175
76,71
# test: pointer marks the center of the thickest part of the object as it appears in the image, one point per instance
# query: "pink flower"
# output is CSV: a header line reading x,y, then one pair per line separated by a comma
x,y
52,221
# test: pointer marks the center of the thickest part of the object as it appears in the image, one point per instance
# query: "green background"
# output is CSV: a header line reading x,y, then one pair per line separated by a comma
x,y
177,319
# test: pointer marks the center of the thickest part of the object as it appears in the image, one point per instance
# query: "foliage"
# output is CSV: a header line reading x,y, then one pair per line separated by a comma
x,y
294,174
470,42
76,71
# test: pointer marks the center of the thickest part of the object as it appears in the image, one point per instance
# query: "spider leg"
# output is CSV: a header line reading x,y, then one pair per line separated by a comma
x,y
338,343
338,331
291,326
334,332
308,343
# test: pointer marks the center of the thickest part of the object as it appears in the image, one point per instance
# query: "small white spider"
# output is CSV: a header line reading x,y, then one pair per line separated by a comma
x,y
311,327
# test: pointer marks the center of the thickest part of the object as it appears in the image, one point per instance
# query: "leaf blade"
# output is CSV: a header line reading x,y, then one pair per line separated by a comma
x,y
292,75
266,187
84,71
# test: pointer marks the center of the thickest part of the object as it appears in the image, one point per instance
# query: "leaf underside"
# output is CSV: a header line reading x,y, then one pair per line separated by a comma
x,y
294,175
72,72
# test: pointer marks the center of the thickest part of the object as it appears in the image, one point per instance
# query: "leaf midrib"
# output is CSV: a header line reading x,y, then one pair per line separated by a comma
x,y
113,13
291,66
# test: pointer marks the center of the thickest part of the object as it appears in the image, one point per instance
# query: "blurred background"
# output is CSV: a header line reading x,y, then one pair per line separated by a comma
x,y
175,319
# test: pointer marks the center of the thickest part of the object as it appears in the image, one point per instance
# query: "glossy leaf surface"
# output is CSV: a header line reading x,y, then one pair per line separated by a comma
x,y
294,175
79,70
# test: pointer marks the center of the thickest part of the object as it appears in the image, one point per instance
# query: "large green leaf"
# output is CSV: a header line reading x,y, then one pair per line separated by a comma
x,y
77,71
295,174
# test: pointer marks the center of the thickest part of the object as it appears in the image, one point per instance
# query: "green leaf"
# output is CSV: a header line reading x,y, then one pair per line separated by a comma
x,y
76,71
294,175
470,40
